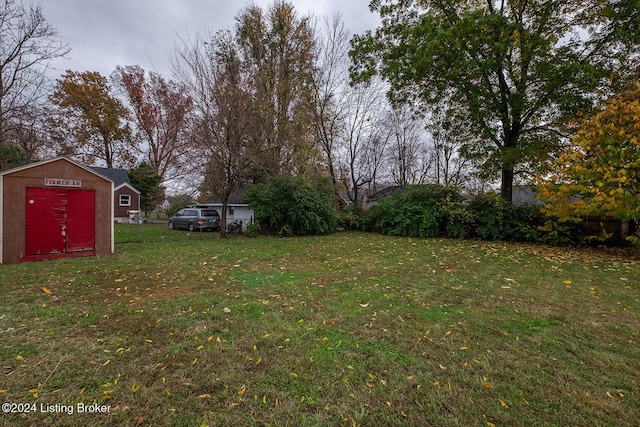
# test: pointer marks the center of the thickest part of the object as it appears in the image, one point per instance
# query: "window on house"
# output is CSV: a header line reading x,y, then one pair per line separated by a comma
x,y
231,210
125,200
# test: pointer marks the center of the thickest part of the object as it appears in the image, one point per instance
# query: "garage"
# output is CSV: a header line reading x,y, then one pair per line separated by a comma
x,y
52,209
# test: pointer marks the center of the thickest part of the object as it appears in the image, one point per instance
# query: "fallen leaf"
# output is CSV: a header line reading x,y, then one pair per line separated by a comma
x,y
364,305
46,290
204,396
227,310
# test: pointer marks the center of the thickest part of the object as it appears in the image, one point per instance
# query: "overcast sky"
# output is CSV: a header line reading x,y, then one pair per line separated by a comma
x,y
106,33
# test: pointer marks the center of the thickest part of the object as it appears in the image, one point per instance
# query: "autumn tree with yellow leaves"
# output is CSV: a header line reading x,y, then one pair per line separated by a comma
x,y
599,173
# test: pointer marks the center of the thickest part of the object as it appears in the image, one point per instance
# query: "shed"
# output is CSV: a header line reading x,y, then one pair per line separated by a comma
x,y
52,209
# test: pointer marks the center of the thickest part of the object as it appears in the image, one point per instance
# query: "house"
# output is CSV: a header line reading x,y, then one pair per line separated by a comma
x,y
52,209
238,211
371,199
126,198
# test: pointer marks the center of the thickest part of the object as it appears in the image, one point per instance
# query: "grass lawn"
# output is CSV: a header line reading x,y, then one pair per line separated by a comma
x,y
187,329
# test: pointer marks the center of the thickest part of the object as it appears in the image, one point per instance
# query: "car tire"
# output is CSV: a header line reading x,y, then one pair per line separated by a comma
x,y
170,225
191,227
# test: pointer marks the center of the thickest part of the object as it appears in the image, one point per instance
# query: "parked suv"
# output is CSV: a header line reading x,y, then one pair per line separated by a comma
x,y
193,219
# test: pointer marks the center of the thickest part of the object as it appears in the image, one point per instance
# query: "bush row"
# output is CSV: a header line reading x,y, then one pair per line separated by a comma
x,y
437,211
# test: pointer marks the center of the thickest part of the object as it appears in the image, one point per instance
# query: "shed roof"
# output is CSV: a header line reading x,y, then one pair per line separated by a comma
x,y
55,159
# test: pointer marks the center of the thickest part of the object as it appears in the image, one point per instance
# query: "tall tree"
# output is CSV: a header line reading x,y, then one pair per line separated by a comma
x,y
161,113
224,130
94,117
27,45
329,87
278,48
519,68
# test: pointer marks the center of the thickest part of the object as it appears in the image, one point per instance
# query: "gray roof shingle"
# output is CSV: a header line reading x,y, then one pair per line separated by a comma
x,y
118,176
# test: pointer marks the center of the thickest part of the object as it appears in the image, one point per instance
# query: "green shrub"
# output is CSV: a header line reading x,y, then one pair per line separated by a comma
x,y
252,230
419,211
294,206
486,216
491,218
563,233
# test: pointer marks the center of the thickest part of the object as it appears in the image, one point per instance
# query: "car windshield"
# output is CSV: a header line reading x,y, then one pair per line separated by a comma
x,y
210,213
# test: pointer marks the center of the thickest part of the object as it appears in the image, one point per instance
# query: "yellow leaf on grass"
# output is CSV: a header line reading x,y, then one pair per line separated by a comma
x,y
504,405
46,290
3,391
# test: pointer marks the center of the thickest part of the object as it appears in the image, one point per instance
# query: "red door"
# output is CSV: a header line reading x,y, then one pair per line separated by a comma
x,y
81,216
59,221
46,211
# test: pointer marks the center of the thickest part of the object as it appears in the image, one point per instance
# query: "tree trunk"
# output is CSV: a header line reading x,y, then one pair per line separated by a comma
x,y
506,187
223,218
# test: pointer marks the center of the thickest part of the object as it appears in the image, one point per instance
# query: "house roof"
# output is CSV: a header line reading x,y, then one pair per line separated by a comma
x,y
385,192
236,198
525,196
118,176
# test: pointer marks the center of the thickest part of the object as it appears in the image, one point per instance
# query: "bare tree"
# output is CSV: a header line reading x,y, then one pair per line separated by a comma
x,y
362,152
330,84
27,45
223,129
408,154
450,164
